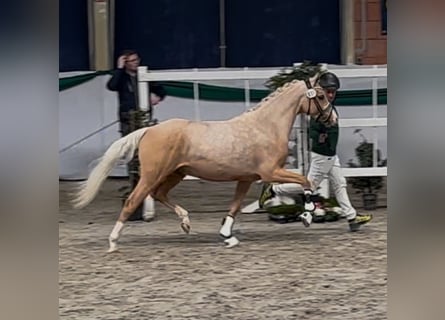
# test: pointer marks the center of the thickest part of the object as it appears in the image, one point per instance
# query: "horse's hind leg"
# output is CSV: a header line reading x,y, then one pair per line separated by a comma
x,y
135,198
161,195
226,230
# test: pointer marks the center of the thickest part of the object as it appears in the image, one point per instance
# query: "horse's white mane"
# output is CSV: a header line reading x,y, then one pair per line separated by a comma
x,y
273,94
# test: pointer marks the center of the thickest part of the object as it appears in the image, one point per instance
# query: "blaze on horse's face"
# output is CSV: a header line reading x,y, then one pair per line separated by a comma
x,y
318,106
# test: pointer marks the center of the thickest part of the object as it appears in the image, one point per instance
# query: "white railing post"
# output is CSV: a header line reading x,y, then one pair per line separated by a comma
x,y
142,89
374,113
196,98
143,99
246,92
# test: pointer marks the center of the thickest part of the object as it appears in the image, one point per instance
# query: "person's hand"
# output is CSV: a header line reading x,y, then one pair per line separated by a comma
x,y
322,137
121,61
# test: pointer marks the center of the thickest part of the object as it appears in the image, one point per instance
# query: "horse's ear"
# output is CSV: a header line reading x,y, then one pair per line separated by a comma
x,y
314,79
321,69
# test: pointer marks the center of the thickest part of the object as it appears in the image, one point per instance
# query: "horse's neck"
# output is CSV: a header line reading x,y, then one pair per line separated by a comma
x,y
278,113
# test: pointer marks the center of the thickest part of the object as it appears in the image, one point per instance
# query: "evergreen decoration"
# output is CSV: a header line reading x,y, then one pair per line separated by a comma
x,y
364,154
303,71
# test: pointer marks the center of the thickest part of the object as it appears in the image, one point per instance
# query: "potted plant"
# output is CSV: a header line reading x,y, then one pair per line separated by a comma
x,y
368,186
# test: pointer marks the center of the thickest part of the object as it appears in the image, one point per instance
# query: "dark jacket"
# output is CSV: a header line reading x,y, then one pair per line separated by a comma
x,y
126,87
329,146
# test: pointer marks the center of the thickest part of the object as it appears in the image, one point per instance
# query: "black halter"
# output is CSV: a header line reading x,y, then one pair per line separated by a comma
x,y
321,112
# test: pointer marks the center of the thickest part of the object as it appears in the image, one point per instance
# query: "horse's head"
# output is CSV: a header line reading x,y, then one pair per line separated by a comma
x,y
317,104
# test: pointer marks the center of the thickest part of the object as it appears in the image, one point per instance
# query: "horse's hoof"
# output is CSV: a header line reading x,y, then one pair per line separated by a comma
x,y
185,227
231,242
113,246
306,218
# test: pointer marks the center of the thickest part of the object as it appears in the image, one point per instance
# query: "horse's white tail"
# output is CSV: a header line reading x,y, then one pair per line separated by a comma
x,y
124,147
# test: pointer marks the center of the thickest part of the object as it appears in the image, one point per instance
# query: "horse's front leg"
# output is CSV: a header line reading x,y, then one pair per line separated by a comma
x,y
282,175
227,223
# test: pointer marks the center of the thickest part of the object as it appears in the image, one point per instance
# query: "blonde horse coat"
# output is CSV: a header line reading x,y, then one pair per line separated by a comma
x,y
251,146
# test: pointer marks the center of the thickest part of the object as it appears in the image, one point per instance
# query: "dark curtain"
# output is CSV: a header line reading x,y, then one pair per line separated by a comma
x,y
73,35
169,33
279,33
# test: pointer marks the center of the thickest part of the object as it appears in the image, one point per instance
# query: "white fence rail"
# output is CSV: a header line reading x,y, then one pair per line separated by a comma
x,y
144,75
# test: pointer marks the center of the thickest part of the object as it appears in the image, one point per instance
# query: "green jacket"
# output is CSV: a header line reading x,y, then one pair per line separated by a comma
x,y
329,146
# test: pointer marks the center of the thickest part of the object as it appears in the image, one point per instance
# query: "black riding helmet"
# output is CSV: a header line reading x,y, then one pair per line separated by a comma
x,y
329,80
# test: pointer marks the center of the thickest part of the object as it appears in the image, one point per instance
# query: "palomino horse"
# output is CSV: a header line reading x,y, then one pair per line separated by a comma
x,y
246,148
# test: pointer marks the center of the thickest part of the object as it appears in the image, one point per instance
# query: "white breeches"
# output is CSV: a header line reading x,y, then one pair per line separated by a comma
x,y
322,166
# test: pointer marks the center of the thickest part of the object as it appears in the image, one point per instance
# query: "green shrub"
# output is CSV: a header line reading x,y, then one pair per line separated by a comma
x,y
364,154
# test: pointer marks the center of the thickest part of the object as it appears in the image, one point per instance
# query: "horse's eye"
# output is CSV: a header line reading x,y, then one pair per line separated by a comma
x,y
321,97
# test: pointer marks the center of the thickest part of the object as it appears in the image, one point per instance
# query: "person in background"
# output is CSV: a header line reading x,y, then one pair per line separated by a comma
x,y
124,82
